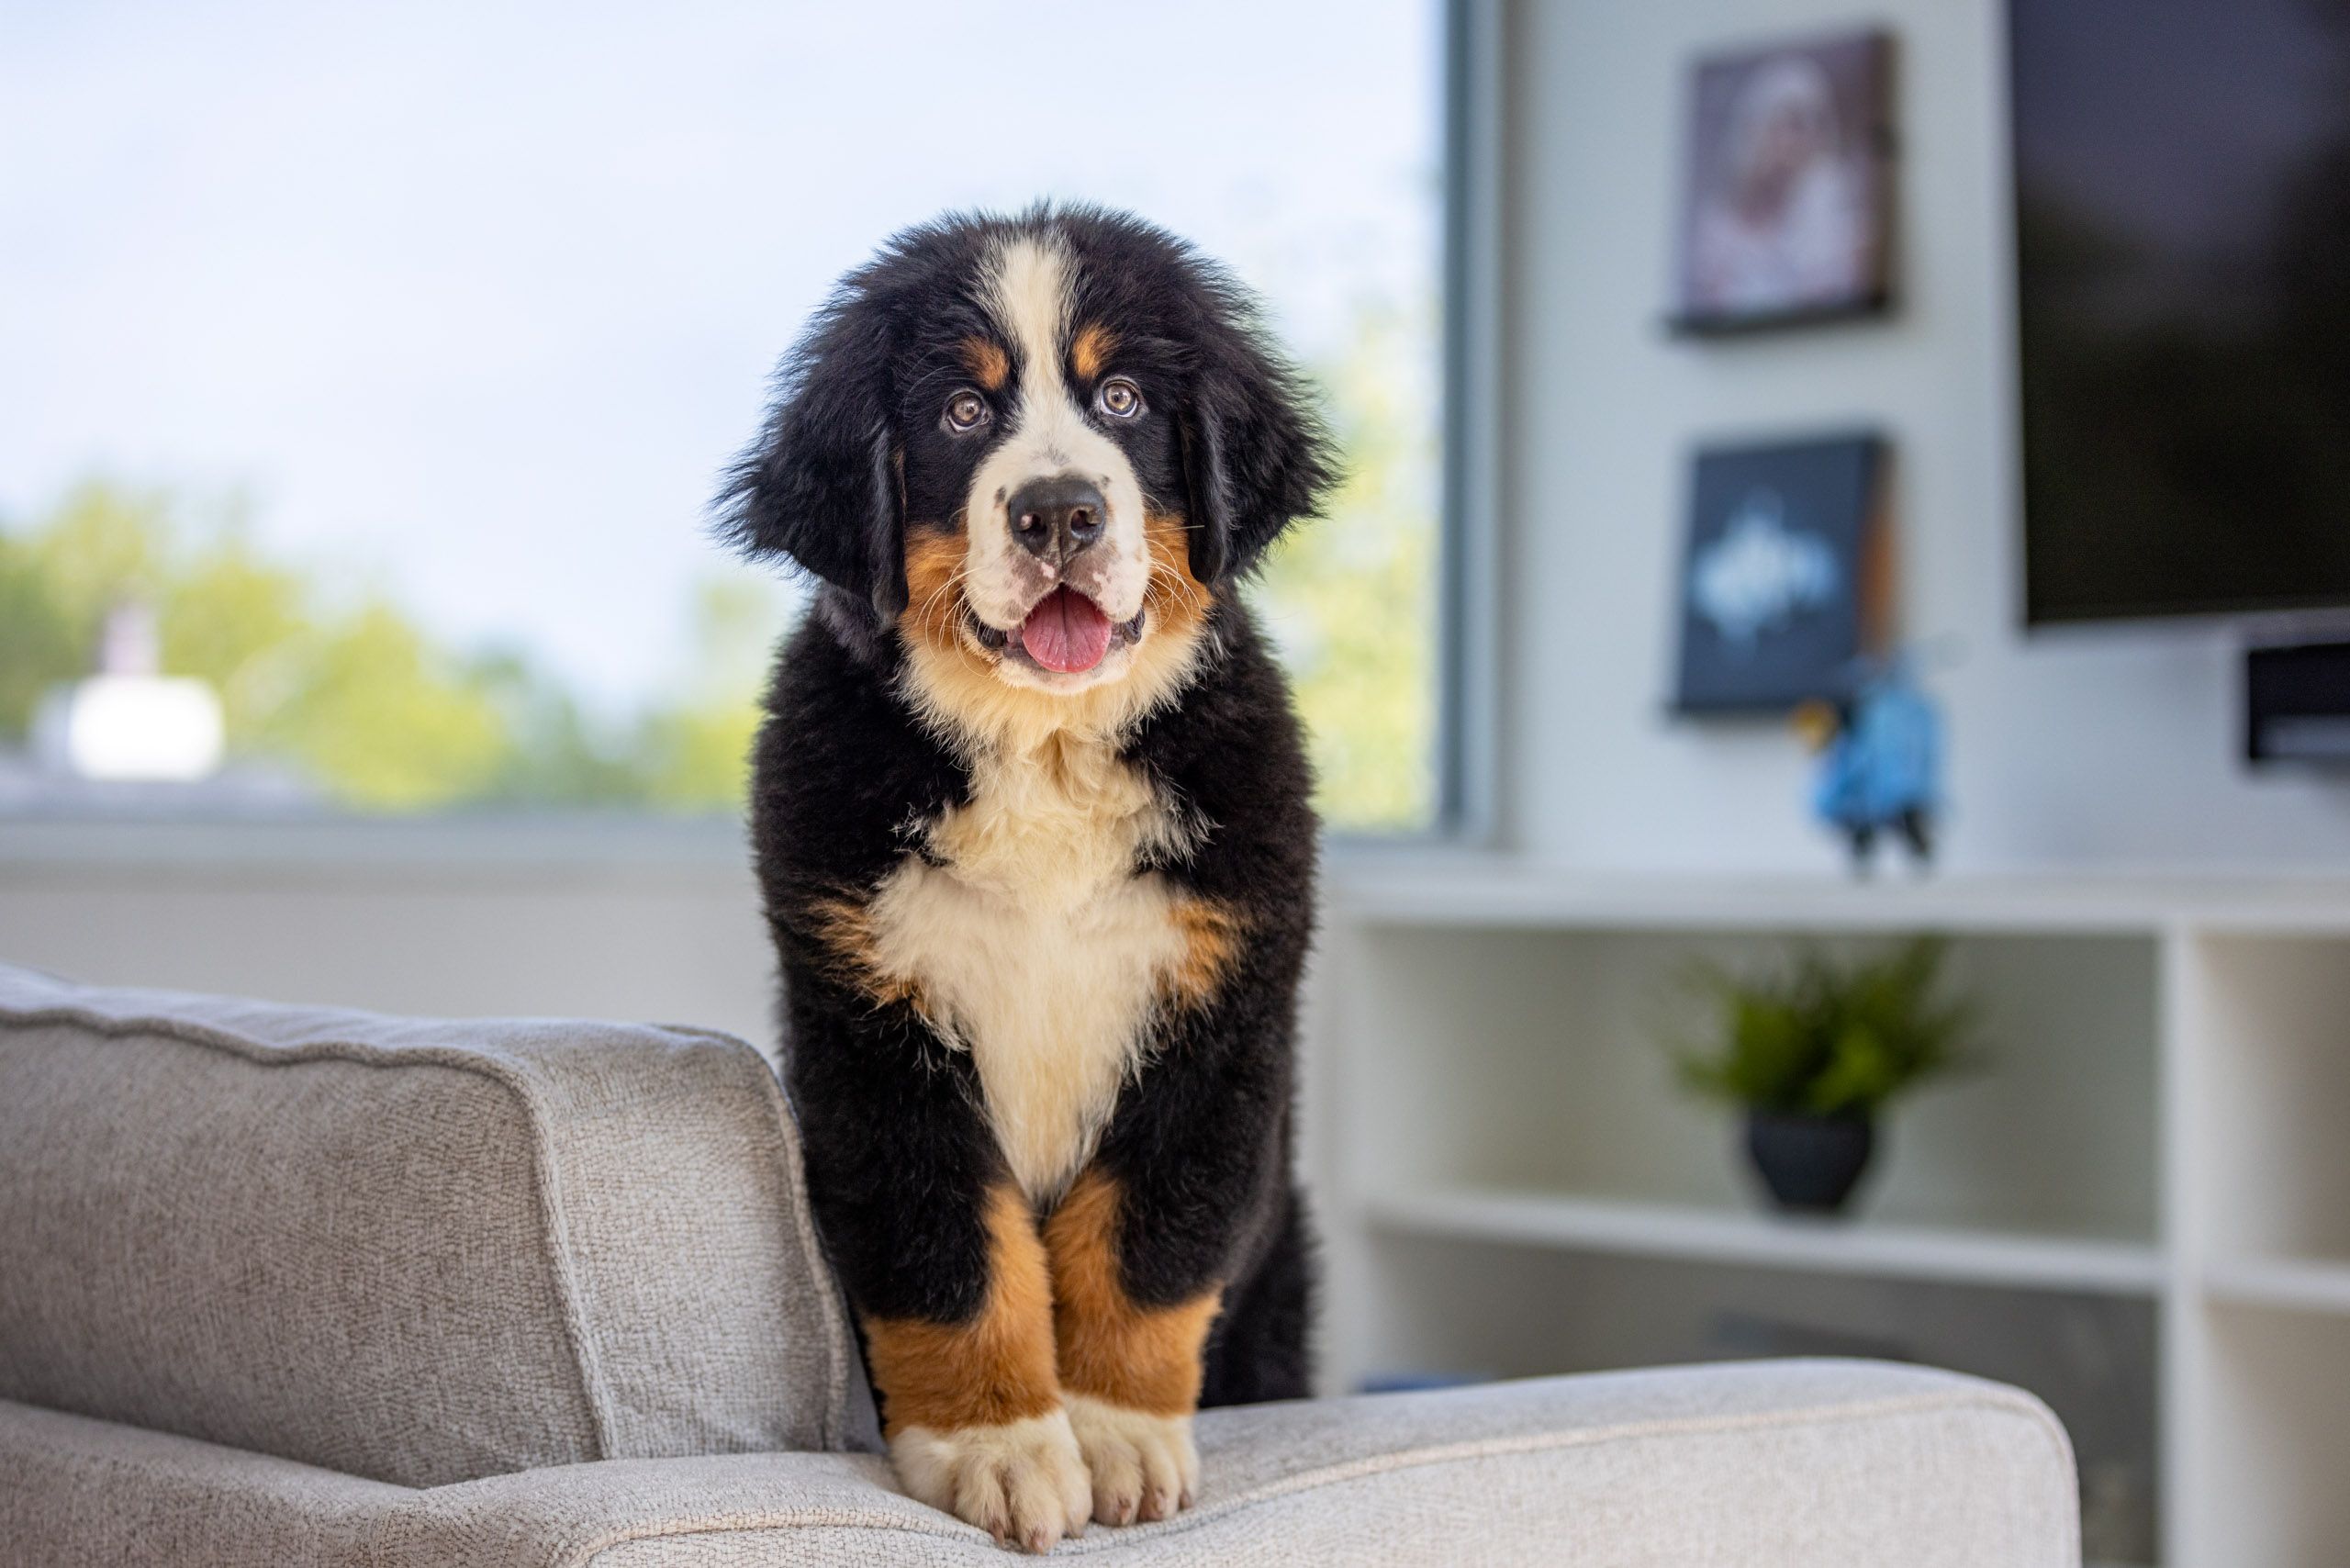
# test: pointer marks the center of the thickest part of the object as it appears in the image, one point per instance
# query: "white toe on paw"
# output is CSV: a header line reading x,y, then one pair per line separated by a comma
x,y
1023,1482
1144,1466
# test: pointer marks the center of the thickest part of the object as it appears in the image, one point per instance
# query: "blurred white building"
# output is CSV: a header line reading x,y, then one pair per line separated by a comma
x,y
128,721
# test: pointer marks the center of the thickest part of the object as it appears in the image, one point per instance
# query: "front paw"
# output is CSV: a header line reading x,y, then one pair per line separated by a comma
x,y
1144,1466
1023,1482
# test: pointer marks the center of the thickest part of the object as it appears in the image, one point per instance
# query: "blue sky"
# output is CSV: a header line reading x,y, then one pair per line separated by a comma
x,y
476,301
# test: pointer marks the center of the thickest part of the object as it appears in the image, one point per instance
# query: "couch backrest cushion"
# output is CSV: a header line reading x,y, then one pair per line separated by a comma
x,y
416,1251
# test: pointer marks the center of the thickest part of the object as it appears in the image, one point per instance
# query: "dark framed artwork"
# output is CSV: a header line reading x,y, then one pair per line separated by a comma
x,y
1781,585
1787,206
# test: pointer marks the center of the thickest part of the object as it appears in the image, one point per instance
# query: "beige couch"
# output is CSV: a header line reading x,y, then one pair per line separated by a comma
x,y
284,1286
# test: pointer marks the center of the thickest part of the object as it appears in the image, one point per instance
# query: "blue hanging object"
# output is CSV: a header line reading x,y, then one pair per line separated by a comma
x,y
1880,762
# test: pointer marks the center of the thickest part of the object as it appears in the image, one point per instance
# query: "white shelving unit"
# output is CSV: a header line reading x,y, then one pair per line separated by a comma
x,y
1757,1239
2141,1208
2288,1284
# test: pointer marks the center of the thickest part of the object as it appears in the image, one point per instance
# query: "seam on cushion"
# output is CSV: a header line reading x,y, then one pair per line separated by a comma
x,y
585,1365
582,1554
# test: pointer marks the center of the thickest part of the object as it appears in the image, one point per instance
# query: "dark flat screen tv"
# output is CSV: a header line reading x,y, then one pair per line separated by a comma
x,y
2182,190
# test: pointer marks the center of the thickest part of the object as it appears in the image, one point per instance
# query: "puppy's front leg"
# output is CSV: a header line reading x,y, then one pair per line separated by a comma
x,y
972,1409
1130,1369
942,1262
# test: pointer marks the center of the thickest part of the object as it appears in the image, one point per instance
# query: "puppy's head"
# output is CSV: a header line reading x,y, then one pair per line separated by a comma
x,y
1036,447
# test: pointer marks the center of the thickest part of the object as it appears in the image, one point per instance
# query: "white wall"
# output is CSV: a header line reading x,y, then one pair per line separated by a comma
x,y
555,919
2090,748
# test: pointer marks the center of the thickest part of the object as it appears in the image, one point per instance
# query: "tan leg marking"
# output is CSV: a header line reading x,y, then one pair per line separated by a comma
x,y
972,1412
995,1368
1131,1373
1142,1358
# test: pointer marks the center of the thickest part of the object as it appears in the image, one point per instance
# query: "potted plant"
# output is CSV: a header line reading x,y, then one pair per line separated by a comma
x,y
1813,1051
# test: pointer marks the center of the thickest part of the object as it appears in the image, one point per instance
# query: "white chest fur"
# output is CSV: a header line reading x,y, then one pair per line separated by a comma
x,y
1035,947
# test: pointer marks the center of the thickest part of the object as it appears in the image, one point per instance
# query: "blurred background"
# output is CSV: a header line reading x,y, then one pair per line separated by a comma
x,y
381,366
1843,589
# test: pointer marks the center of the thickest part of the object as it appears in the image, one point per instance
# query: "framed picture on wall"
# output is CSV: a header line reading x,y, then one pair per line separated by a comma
x,y
1783,585
1786,208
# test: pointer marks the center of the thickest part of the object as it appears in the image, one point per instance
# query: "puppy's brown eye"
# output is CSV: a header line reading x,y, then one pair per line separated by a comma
x,y
1119,397
967,410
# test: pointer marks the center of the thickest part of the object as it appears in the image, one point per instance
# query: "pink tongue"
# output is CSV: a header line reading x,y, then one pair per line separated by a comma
x,y
1066,631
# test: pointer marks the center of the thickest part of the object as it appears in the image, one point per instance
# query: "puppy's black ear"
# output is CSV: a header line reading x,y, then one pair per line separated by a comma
x,y
1255,456
820,484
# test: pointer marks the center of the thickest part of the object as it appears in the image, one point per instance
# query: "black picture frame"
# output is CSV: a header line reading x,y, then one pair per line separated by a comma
x,y
1781,585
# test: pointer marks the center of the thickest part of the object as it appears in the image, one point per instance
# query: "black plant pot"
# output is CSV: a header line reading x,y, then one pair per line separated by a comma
x,y
1809,1164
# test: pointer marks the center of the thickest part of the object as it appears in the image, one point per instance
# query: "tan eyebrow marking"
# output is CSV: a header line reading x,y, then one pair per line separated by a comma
x,y
988,361
1092,351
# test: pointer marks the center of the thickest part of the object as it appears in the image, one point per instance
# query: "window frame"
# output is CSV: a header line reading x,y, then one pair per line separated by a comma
x,y
1467,808
1467,511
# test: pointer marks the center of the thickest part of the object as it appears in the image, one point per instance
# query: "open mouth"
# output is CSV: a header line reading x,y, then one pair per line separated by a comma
x,y
1064,632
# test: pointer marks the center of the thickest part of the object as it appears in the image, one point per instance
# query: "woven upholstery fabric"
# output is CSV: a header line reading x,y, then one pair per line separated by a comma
x,y
1768,1465
416,1252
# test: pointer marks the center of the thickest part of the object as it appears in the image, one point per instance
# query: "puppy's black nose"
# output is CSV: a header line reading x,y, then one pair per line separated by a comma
x,y
1058,517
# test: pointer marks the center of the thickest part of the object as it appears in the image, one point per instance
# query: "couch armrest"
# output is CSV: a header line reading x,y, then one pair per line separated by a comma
x,y
1770,1465
421,1251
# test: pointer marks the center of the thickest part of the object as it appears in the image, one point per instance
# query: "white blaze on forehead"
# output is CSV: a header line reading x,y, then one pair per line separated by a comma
x,y
1030,289
1046,434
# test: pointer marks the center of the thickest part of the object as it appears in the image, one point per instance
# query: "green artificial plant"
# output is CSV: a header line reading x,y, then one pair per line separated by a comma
x,y
1829,1037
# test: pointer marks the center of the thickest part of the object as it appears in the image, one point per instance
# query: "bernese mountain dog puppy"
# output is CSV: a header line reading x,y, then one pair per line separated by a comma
x,y
1031,816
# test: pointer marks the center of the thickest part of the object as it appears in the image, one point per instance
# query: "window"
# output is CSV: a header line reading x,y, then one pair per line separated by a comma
x,y
369,370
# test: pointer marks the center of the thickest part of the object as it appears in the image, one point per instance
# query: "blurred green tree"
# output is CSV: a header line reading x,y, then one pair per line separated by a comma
x,y
388,720
359,700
